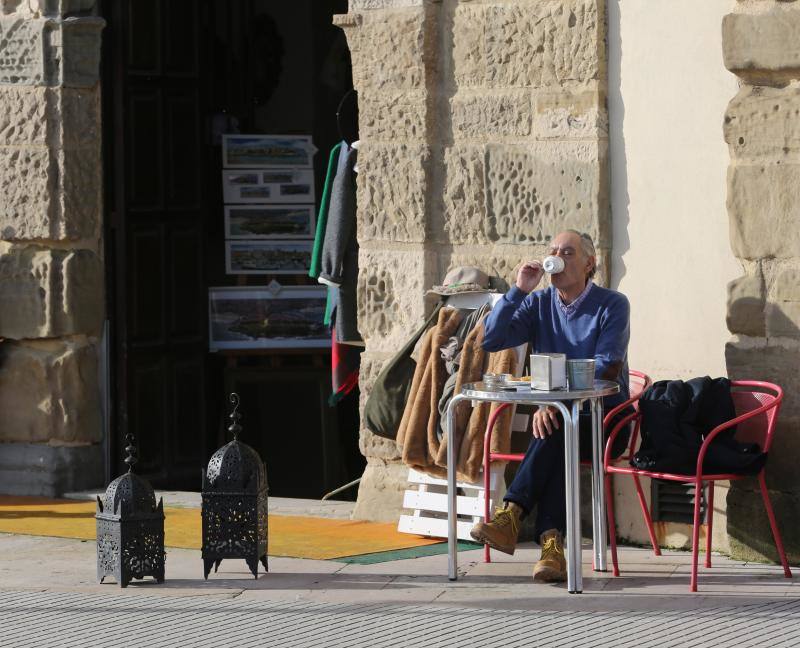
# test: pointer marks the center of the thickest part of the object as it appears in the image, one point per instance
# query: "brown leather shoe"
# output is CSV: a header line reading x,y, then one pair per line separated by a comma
x,y
501,533
552,566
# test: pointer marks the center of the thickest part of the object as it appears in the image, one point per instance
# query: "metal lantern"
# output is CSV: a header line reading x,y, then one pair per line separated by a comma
x,y
235,503
130,528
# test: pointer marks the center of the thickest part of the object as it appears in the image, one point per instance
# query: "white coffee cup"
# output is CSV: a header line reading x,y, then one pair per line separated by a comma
x,y
553,264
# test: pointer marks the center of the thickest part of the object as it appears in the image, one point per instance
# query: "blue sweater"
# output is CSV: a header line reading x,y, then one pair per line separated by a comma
x,y
599,329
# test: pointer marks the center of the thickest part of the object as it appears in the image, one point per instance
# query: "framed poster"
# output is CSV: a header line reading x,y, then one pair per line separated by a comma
x,y
268,186
261,318
267,151
269,221
268,257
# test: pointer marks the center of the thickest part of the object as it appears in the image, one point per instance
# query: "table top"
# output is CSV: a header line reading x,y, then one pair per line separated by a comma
x,y
479,391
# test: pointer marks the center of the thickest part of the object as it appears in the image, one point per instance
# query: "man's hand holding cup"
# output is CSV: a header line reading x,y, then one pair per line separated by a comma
x,y
529,276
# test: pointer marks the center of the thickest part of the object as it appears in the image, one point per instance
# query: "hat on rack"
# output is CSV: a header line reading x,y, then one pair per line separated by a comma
x,y
463,279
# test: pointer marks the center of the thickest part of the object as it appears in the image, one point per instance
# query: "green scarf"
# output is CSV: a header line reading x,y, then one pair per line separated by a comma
x,y
322,216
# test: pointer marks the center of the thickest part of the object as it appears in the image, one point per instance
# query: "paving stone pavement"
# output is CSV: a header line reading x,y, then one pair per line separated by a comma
x,y
49,597
66,619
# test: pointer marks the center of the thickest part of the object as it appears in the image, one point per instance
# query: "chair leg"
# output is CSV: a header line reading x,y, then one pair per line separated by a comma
x,y
709,522
487,476
487,557
695,535
647,519
773,525
612,527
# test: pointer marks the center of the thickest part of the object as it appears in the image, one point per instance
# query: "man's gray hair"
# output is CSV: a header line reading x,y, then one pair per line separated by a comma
x,y
588,247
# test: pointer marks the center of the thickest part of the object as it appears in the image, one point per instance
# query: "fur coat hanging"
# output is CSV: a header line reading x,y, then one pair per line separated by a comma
x,y
417,439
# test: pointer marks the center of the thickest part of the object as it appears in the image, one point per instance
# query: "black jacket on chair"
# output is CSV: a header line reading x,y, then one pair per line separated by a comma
x,y
676,416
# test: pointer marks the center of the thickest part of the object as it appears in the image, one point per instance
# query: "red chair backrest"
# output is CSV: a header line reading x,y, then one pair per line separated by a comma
x,y
749,395
638,382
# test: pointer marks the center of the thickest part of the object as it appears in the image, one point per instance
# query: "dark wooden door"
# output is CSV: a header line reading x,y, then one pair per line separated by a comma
x,y
156,161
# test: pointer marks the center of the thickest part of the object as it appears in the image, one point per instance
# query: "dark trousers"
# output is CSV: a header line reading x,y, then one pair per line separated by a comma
x,y
539,481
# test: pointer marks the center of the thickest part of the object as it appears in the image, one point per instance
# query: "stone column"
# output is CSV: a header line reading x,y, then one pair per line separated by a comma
x,y
51,269
761,43
484,133
393,50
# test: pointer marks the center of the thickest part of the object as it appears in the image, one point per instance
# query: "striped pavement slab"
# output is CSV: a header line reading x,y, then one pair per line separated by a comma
x,y
45,619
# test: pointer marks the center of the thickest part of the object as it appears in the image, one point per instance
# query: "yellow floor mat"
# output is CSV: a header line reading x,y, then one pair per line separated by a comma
x,y
292,536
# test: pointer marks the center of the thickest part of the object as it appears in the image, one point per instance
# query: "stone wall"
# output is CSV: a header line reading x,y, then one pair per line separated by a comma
x,y
51,268
761,42
484,133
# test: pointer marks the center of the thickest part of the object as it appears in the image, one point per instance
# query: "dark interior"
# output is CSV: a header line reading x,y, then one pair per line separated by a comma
x,y
177,74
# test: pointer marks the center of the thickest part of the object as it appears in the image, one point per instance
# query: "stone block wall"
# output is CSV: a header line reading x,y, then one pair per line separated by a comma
x,y
51,266
761,43
484,133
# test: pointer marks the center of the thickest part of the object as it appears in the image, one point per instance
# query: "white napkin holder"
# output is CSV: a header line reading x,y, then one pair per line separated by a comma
x,y
548,371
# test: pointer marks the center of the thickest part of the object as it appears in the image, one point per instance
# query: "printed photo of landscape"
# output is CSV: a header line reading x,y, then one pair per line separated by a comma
x,y
266,151
255,192
242,178
268,257
266,221
277,177
254,318
295,190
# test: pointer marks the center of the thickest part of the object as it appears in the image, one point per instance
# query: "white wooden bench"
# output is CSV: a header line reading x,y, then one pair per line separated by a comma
x,y
427,498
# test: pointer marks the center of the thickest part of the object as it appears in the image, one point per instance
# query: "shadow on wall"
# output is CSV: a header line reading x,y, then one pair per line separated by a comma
x,y
759,355
444,120
618,159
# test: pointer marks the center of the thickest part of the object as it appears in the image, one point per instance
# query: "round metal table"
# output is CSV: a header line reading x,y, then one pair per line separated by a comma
x,y
563,400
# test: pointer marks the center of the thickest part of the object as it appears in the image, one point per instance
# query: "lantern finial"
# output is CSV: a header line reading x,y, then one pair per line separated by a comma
x,y
131,459
235,428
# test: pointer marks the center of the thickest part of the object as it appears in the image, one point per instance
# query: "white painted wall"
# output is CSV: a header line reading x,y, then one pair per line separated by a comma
x,y
668,90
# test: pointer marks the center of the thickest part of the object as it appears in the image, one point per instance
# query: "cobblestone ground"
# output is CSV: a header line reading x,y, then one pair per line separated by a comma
x,y
65,619
49,598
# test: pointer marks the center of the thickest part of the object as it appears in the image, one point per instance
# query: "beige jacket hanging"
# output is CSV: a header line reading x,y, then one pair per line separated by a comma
x,y
416,438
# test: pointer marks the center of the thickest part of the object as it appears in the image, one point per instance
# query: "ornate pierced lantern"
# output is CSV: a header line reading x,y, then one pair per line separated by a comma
x,y
235,503
130,528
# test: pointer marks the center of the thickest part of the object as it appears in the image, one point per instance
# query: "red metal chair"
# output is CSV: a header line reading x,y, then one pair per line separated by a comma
x,y
757,404
638,382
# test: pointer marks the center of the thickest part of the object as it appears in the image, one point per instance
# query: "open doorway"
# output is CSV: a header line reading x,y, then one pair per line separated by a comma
x,y
177,75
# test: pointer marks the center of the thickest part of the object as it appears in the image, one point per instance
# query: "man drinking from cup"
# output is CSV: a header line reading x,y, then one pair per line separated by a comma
x,y
575,317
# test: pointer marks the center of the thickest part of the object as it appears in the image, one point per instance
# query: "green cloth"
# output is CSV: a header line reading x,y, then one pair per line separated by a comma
x,y
329,306
319,235
322,216
405,554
